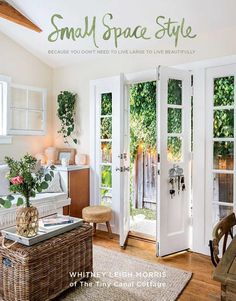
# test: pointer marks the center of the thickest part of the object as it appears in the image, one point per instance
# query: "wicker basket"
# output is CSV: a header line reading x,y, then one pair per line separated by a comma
x,y
41,272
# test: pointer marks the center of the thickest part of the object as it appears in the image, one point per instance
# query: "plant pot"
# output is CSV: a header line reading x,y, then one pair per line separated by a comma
x,y
27,221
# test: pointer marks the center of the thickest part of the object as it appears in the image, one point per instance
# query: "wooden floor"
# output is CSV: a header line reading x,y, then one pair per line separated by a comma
x,y
200,288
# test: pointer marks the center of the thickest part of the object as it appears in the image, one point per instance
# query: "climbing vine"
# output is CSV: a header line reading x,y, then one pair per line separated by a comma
x,y
66,113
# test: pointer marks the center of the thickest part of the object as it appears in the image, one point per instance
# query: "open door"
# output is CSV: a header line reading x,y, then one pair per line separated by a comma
x,y
109,160
174,147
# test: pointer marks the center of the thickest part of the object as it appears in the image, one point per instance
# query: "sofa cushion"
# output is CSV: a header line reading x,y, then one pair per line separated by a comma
x,y
54,186
4,182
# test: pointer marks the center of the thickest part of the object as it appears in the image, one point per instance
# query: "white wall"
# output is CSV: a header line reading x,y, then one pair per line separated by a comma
x,y
25,69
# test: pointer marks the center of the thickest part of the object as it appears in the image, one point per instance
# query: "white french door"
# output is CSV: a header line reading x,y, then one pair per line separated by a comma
x,y
174,147
109,158
220,145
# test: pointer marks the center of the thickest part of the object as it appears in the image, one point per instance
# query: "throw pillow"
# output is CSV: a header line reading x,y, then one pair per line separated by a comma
x,y
55,185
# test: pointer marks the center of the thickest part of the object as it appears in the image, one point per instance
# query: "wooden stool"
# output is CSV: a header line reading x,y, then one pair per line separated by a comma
x,y
96,215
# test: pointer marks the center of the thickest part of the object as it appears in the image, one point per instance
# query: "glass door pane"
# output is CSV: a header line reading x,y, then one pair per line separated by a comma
x,y
223,147
174,121
106,149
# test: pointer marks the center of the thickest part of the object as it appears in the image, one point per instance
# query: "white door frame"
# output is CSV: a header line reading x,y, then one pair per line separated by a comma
x,y
199,222
211,73
173,214
97,87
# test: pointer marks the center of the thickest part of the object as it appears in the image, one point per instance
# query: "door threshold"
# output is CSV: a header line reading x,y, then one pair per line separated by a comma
x,y
142,236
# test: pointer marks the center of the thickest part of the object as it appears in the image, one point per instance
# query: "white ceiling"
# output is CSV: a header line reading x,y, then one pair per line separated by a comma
x,y
205,16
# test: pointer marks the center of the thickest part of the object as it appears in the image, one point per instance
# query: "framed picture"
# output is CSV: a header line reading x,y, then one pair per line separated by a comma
x,y
66,153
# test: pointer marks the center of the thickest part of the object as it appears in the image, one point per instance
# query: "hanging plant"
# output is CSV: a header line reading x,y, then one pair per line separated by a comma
x,y
66,113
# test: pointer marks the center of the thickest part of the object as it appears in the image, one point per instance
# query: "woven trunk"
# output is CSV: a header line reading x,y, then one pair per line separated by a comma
x,y
27,221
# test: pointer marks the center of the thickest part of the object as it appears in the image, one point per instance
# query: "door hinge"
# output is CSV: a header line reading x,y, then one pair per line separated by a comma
x,y
123,156
121,169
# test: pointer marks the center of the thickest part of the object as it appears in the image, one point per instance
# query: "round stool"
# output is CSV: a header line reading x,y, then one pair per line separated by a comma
x,y
97,215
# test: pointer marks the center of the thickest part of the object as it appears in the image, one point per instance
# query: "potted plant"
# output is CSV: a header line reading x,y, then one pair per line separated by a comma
x,y
66,113
26,180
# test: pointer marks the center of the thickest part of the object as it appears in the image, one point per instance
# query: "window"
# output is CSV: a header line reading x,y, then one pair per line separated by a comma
x,y
22,110
4,92
27,110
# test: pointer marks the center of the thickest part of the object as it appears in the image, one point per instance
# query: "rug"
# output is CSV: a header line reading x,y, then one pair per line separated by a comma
x,y
120,277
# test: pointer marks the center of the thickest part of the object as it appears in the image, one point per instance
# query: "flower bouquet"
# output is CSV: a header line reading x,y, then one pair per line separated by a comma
x,y
26,180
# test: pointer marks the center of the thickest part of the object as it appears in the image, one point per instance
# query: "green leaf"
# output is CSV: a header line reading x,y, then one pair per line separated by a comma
x,y
48,178
75,141
20,202
44,185
2,201
39,189
51,173
52,167
10,197
7,204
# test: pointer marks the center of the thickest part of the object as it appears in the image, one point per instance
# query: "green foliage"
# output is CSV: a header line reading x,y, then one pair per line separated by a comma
x,y
142,117
66,113
106,104
25,179
174,92
106,176
223,123
223,126
174,120
106,128
224,91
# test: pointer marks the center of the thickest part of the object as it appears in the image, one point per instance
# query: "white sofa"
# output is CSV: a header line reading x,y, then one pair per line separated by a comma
x,y
47,204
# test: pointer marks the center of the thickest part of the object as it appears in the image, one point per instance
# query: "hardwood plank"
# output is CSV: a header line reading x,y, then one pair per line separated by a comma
x,y
10,13
200,288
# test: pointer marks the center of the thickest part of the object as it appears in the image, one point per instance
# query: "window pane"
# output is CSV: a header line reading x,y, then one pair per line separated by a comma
x,y
35,121
224,91
106,104
18,98
35,100
219,212
174,149
106,152
174,120
19,120
223,188
106,128
223,155
175,92
223,126
106,177
106,197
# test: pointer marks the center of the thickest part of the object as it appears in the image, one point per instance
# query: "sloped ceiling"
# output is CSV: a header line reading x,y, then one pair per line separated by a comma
x,y
205,17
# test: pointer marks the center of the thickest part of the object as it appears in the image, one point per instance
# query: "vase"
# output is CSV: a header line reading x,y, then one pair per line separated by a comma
x,y
27,221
